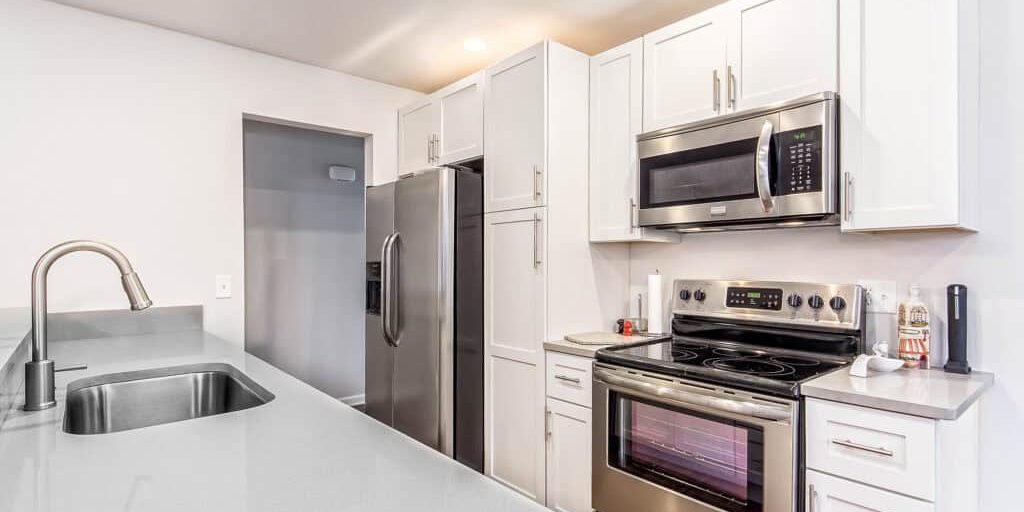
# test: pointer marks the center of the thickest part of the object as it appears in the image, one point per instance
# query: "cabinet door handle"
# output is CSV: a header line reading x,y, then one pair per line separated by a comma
x,y
536,241
437,148
863,447
847,196
716,90
538,183
632,215
731,87
813,505
566,378
547,422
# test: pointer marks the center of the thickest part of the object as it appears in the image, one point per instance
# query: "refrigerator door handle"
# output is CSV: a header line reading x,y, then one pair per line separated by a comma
x,y
386,287
393,298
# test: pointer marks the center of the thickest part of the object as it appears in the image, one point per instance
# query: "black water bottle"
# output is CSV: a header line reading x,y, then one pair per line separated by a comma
x,y
956,319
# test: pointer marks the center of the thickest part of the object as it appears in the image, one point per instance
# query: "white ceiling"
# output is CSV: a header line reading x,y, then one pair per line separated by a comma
x,y
416,44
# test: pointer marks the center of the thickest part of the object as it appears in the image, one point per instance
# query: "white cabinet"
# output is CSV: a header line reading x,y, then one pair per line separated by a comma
x,y
780,50
444,127
568,456
542,277
416,132
461,123
830,494
861,459
514,284
683,70
616,118
514,326
908,118
514,135
738,55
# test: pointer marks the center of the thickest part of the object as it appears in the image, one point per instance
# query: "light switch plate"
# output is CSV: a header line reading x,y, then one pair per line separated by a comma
x,y
881,296
223,286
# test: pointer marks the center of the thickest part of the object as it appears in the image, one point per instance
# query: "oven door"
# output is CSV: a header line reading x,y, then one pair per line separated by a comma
x,y
754,168
674,446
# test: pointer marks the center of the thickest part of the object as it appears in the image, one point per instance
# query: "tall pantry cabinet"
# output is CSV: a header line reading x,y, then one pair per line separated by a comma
x,y
540,271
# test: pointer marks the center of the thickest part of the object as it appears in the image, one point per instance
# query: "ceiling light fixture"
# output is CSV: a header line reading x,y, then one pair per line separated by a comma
x,y
474,44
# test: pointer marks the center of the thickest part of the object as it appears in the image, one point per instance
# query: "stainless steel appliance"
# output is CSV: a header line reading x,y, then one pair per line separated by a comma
x,y
710,419
424,312
774,166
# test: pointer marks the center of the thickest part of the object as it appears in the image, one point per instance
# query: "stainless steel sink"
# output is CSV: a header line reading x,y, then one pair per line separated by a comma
x,y
129,400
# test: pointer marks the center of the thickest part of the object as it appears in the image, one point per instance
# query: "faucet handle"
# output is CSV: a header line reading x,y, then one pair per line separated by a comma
x,y
72,368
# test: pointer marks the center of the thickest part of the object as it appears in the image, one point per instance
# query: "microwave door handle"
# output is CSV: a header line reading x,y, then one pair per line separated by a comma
x,y
762,167
710,402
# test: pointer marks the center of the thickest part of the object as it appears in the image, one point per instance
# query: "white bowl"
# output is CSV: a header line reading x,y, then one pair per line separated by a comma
x,y
884,364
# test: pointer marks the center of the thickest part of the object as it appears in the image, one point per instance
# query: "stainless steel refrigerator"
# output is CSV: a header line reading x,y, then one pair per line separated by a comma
x,y
424,314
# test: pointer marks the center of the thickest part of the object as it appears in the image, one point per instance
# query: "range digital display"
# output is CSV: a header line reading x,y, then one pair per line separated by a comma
x,y
754,298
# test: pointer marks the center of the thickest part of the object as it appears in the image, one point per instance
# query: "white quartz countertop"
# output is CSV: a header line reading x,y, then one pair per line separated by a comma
x,y
928,393
303,451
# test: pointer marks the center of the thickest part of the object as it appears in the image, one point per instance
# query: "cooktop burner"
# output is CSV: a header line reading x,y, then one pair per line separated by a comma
x,y
751,366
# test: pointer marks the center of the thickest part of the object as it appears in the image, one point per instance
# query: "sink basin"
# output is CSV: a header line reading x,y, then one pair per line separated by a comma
x,y
129,400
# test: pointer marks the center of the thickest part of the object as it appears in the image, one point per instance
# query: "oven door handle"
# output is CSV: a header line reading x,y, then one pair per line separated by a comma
x,y
762,166
676,395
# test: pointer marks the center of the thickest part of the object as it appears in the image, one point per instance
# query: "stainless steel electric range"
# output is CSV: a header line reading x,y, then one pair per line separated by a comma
x,y
710,420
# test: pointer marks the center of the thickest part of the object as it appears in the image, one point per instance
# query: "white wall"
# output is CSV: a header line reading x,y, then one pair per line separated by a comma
x,y
989,262
132,135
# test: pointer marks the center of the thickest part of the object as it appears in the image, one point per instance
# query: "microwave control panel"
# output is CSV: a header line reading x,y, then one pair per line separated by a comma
x,y
799,161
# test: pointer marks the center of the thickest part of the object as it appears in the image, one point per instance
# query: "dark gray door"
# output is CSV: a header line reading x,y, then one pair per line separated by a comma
x,y
380,356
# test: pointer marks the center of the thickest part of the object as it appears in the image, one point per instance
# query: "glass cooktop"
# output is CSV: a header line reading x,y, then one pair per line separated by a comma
x,y
769,370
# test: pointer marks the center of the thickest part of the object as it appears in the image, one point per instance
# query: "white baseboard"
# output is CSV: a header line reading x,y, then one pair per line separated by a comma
x,y
353,400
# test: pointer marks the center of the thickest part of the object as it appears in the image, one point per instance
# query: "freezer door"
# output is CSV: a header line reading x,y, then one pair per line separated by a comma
x,y
380,357
424,221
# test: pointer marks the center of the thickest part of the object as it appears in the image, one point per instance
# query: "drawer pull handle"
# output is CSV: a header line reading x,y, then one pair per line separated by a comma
x,y
566,378
857,446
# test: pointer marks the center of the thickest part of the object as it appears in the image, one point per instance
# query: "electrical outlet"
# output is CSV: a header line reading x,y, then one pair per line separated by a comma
x,y
223,286
881,296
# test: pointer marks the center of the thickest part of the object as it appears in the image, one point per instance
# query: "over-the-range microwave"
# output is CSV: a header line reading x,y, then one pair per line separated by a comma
x,y
768,167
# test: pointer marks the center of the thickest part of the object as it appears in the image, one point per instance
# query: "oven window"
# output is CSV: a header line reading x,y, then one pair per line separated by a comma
x,y
715,173
714,460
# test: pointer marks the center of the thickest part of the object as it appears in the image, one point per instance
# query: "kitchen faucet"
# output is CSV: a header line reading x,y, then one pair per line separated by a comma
x,y
39,387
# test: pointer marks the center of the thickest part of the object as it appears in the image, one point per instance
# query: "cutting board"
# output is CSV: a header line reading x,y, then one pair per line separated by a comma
x,y
604,338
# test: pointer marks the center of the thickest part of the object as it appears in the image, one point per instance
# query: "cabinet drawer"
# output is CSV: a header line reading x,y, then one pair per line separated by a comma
x,y
569,378
887,450
827,493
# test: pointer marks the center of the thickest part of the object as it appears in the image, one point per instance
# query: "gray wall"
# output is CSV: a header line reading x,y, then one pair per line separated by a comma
x,y
304,263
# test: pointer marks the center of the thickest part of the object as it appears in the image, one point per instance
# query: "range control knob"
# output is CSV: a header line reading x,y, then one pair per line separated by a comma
x,y
837,303
684,294
815,301
795,300
700,295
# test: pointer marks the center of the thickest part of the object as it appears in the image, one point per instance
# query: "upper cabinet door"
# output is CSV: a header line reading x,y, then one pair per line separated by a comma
x,y
616,118
616,83
416,130
780,50
908,114
461,109
514,131
684,70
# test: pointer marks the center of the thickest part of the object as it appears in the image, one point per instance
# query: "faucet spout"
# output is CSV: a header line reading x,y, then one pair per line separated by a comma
x,y
39,387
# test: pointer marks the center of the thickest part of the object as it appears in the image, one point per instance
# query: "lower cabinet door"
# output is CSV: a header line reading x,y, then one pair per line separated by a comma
x,y
826,493
568,457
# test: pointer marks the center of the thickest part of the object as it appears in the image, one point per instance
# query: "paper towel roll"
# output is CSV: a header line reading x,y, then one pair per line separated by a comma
x,y
654,316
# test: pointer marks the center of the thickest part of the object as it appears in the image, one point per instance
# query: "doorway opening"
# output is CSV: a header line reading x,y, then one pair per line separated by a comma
x,y
304,202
